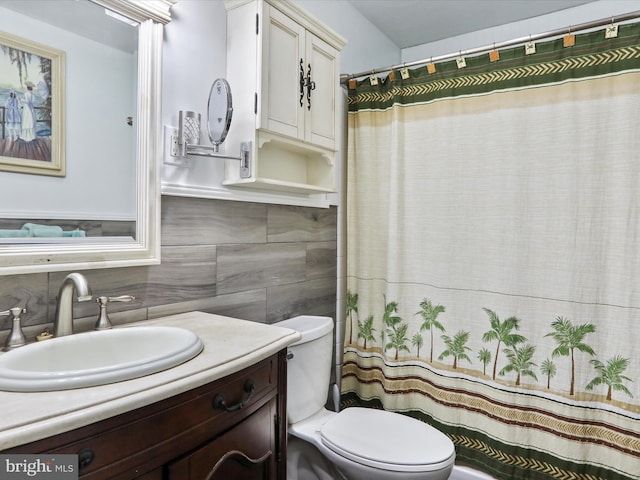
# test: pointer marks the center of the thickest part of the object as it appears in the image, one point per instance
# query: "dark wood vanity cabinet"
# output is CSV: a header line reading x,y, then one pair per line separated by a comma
x,y
233,428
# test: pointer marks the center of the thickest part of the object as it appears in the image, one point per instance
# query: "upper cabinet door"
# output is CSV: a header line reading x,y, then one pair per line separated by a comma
x,y
299,80
322,76
283,51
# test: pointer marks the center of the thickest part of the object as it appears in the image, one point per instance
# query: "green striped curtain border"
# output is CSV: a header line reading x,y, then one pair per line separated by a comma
x,y
500,460
592,55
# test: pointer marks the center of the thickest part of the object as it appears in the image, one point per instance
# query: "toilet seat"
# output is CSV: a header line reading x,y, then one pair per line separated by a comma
x,y
387,441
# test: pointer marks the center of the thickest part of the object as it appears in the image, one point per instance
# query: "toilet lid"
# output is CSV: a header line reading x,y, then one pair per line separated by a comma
x,y
386,440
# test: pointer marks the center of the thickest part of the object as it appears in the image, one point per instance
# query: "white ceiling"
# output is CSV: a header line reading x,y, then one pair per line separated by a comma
x,y
414,22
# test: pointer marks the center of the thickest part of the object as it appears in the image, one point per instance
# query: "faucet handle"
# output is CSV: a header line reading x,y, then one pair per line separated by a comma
x,y
121,298
16,337
103,322
14,312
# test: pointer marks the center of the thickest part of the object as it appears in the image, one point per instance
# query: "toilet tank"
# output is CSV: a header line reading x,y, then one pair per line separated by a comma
x,y
309,365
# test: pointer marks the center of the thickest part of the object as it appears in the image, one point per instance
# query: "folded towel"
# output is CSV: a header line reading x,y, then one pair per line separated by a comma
x,y
37,230
13,233
74,233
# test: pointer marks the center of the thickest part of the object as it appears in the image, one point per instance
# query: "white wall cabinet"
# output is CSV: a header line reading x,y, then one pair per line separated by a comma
x,y
283,69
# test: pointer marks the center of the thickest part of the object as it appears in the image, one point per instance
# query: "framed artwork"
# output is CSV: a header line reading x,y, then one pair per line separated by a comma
x,y
32,133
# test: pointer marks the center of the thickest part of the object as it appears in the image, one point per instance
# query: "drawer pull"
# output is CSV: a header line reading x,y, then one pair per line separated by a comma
x,y
244,460
85,457
219,401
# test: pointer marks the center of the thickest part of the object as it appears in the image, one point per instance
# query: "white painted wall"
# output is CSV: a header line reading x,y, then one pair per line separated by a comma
x,y
100,180
194,55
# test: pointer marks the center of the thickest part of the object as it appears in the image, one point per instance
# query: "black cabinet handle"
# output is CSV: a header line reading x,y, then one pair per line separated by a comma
x,y
311,85
219,401
85,457
301,82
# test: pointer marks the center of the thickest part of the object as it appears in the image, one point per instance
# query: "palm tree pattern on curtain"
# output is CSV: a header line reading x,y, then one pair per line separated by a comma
x,y
518,351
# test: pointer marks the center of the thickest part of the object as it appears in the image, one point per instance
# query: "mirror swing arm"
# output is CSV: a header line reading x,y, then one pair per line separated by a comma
x,y
219,114
211,151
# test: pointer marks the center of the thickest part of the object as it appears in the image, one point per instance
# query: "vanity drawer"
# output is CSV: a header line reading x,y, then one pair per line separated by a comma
x,y
144,439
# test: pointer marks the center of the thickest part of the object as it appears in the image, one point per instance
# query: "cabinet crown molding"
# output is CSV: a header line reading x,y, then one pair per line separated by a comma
x,y
303,17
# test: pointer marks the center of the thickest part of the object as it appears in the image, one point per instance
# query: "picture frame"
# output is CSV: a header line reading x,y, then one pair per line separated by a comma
x,y
32,99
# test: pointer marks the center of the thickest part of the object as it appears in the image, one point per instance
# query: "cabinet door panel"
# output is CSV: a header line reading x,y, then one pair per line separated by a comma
x,y
247,452
321,124
283,49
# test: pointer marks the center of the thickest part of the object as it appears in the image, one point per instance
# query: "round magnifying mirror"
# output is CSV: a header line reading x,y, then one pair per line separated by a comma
x,y
219,111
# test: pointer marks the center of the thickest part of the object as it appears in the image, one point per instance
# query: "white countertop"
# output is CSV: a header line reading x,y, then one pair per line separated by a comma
x,y
230,345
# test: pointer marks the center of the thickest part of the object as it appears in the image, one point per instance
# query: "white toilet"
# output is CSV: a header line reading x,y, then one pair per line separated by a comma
x,y
361,443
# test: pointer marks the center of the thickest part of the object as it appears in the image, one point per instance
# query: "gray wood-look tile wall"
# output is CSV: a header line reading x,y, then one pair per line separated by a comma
x,y
253,261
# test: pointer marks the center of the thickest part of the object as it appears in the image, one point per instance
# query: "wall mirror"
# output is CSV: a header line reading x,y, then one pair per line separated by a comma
x,y
103,210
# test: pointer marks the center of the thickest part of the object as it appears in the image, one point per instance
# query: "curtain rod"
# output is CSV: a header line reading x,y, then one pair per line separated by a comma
x,y
344,78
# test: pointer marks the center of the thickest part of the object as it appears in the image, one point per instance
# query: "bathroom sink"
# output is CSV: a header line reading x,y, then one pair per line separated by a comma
x,y
96,358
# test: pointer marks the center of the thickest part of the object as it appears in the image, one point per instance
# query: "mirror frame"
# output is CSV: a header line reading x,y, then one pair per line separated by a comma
x,y
223,110
100,252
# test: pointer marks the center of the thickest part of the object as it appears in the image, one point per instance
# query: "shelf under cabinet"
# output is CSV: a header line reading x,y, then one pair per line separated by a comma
x,y
287,165
279,185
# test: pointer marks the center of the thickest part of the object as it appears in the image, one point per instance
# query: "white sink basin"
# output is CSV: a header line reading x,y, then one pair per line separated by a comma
x,y
96,358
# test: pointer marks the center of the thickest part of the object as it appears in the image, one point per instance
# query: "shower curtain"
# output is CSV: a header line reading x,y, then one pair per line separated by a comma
x,y
493,254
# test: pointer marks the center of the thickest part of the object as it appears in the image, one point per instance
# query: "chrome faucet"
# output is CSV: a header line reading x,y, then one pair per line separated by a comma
x,y
63,322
